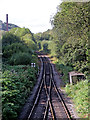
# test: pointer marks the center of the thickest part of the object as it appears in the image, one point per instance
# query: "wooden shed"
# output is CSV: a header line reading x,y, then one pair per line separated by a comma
x,y
74,73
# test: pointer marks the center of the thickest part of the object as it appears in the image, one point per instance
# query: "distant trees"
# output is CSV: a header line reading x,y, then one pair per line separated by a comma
x,y
45,41
47,35
10,26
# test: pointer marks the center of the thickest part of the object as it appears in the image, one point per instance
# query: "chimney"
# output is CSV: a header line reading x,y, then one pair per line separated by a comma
x,y
6,22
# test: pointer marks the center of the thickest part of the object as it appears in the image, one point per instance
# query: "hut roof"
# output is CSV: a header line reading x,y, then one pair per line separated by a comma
x,y
75,73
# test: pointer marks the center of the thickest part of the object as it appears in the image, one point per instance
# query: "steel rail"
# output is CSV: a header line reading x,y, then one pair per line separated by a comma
x,y
36,100
47,104
48,92
59,96
62,101
48,89
38,95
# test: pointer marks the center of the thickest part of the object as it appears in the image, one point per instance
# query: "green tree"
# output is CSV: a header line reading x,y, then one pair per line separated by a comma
x,y
71,27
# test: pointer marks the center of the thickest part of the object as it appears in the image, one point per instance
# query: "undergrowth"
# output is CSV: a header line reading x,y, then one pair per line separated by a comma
x,y
64,70
17,83
80,96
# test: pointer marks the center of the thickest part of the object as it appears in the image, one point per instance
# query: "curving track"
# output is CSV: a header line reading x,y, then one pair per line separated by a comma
x,y
49,103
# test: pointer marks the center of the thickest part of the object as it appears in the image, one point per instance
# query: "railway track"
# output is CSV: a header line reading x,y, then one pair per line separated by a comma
x,y
49,103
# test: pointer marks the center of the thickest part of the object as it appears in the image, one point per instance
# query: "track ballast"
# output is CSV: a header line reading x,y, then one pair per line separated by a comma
x,y
49,103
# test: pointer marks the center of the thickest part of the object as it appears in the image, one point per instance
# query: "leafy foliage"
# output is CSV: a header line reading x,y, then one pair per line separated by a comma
x,y
9,38
20,58
45,42
64,70
9,50
26,36
79,93
18,80
71,28
20,31
20,42
47,35
17,84
23,33
71,34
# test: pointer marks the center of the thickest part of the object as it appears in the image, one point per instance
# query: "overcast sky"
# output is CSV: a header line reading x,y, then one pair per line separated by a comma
x,y
32,14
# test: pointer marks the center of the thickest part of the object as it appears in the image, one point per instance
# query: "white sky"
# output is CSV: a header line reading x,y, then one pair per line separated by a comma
x,y
32,14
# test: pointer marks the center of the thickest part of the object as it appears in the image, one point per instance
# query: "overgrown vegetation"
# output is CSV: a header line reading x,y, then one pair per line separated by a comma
x,y
45,42
72,29
19,46
79,93
18,77
64,70
17,84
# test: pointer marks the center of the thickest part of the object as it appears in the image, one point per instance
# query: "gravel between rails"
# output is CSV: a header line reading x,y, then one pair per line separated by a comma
x,y
26,109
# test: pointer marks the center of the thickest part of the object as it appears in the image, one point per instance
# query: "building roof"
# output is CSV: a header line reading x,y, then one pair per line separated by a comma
x,y
75,73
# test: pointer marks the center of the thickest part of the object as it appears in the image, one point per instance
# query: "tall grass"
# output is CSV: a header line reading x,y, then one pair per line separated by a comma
x,y
80,96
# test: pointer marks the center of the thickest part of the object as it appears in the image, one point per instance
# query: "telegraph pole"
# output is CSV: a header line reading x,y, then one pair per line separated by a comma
x,y
6,22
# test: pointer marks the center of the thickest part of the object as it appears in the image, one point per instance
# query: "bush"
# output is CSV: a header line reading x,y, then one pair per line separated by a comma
x,y
79,93
17,84
21,58
9,50
15,49
20,31
64,70
9,38
52,47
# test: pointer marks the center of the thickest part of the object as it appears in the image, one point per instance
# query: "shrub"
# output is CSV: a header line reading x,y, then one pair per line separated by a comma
x,y
20,31
21,58
17,84
9,50
9,38
79,93
63,69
